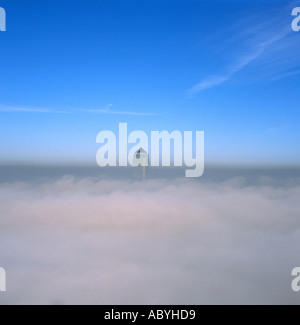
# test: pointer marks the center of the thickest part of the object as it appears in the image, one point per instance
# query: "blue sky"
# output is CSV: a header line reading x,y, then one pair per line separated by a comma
x,y
70,69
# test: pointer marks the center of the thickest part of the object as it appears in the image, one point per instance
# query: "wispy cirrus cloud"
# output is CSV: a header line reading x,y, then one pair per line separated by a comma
x,y
263,38
11,109
20,109
107,110
242,62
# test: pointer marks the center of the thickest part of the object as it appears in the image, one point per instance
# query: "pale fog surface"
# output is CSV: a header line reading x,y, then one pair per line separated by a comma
x,y
91,236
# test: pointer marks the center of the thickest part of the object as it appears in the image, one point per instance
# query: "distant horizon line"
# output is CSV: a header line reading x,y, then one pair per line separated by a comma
x,y
207,166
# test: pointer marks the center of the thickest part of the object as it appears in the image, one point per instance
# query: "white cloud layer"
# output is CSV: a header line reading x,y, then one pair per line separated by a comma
x,y
158,242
